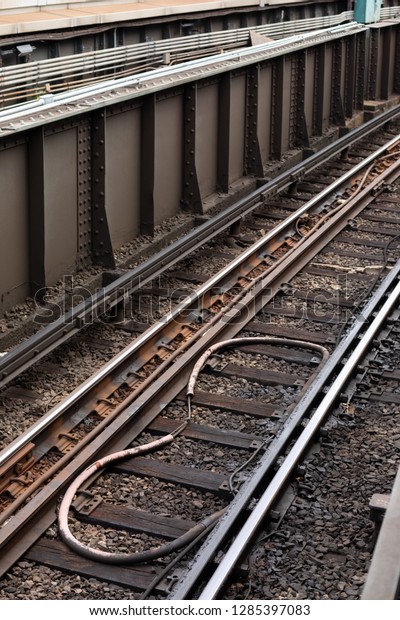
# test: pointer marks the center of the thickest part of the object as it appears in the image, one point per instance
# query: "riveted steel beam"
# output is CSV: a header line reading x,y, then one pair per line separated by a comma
x,y
148,159
253,162
300,130
386,58
224,131
84,192
373,64
396,82
102,251
191,192
36,184
278,73
350,72
319,89
337,112
360,79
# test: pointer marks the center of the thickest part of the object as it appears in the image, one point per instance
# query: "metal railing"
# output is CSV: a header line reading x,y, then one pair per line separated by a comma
x,y
383,580
34,79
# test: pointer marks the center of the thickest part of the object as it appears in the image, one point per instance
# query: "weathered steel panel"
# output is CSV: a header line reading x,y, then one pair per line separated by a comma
x,y
60,200
237,127
277,95
287,103
309,91
14,246
388,68
84,193
252,159
327,87
264,112
168,154
101,246
122,183
191,198
207,138
224,131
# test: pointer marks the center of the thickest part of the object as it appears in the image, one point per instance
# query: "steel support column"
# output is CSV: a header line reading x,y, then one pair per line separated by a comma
x,y
84,192
319,89
396,84
386,55
278,72
373,64
148,158
253,162
350,73
224,131
102,251
36,180
337,112
301,138
191,192
360,80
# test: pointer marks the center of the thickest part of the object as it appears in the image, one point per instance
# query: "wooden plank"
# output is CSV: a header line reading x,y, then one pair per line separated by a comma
x,y
323,297
234,405
163,292
385,397
259,375
331,273
391,374
216,254
364,242
24,394
306,313
134,326
289,206
234,439
299,356
178,474
56,555
350,254
390,232
189,277
281,331
132,520
382,218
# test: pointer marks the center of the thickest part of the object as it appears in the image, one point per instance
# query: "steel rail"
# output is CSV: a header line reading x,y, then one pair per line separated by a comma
x,y
188,582
154,330
275,487
46,340
197,295
150,402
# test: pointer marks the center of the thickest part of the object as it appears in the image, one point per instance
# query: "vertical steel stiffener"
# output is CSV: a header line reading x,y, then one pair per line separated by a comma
x,y
253,162
148,160
224,131
84,193
102,250
191,199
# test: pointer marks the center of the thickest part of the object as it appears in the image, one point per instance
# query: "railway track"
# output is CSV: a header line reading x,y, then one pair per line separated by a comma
x,y
291,292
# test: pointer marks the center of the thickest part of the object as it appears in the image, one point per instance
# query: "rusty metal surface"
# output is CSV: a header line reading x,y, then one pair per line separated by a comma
x,y
207,136
161,150
123,167
33,349
168,158
289,265
14,242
